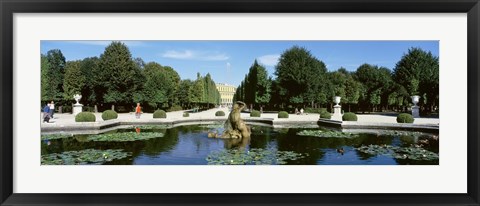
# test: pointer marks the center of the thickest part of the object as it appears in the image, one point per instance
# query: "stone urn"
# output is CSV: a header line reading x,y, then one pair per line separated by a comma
x,y
77,107
415,108
336,99
415,99
77,98
337,109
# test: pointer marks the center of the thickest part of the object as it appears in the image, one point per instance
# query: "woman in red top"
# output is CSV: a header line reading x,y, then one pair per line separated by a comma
x,y
138,111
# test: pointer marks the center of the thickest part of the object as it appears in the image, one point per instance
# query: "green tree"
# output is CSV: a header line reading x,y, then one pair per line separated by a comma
x,y
197,90
45,68
183,93
156,85
346,87
74,80
257,86
119,76
418,71
376,85
300,76
89,69
53,70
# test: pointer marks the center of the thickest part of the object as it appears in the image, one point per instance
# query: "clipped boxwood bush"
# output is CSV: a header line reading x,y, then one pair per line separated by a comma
x,y
349,116
186,114
283,114
405,118
315,110
85,117
109,114
175,108
325,115
159,114
255,113
219,113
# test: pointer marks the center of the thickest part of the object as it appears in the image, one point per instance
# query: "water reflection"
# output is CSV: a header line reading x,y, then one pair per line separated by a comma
x,y
189,145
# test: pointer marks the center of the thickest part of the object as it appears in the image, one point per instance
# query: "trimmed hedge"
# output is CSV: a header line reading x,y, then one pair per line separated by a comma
x,y
349,116
109,114
219,113
315,110
175,108
283,114
85,117
255,113
159,114
186,114
325,115
405,118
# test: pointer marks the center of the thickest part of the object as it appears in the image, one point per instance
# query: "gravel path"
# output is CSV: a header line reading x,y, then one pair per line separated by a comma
x,y
178,115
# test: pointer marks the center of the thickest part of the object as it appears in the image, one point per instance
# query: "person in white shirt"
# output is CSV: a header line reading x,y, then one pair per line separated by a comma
x,y
52,108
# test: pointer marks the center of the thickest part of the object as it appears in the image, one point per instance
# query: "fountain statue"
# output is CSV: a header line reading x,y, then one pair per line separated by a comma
x,y
234,127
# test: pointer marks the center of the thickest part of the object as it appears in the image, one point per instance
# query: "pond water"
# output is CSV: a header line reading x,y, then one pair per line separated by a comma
x,y
190,145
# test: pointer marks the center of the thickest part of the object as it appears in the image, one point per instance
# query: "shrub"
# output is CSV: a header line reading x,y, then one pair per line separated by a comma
x,y
219,113
349,116
123,109
186,114
159,114
255,113
66,109
175,108
109,114
315,110
85,117
405,118
88,109
283,114
325,115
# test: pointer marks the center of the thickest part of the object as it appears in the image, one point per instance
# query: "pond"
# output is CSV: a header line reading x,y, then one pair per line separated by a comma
x,y
190,145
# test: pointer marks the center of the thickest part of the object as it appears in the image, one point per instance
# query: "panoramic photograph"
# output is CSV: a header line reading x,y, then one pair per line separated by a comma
x,y
239,102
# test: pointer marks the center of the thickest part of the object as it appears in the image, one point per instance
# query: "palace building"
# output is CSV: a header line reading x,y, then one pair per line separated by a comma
x,y
226,94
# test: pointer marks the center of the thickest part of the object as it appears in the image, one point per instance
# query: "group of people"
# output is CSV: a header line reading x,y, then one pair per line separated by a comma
x,y
48,111
299,112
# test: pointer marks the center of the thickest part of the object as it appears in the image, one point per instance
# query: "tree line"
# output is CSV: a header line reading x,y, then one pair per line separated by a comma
x,y
304,81
117,79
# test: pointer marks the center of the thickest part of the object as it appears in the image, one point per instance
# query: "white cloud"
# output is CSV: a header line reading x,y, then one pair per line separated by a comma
x,y
269,60
195,55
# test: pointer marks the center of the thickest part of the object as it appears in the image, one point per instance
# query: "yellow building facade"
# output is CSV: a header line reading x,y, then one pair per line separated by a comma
x,y
226,94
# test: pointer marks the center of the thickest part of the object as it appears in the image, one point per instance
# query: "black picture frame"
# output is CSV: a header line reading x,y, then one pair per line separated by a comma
x,y
10,7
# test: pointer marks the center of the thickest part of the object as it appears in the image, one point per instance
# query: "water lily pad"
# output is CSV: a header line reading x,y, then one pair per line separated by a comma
x,y
83,157
402,133
327,133
413,152
150,127
252,157
55,136
124,136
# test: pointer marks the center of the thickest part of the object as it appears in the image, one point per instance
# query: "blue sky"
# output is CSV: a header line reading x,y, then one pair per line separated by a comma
x,y
229,61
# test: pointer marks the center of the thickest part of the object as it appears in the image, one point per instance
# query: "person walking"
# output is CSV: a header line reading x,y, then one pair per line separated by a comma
x,y
52,109
138,111
46,113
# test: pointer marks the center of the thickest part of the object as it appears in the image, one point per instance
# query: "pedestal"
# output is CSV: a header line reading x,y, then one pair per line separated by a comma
x,y
415,111
337,113
77,108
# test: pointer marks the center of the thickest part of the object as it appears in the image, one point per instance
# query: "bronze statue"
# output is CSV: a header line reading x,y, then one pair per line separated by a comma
x,y
235,127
